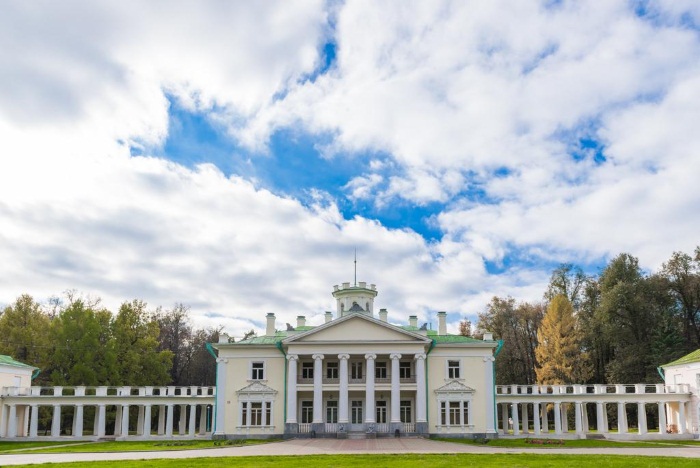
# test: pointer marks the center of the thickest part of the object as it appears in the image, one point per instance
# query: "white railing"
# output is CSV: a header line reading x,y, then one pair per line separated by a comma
x,y
409,427
304,428
108,391
331,427
591,389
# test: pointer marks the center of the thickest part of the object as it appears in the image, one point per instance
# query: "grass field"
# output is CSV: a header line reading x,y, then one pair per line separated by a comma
x,y
128,446
402,461
575,443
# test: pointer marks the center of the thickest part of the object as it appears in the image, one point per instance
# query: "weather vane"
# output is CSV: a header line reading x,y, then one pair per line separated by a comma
x,y
355,266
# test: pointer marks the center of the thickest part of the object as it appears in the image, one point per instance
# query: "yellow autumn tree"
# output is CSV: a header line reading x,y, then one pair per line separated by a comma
x,y
559,355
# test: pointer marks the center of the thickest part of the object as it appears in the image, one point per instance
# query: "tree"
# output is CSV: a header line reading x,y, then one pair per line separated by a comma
x,y
517,327
176,336
85,350
558,352
683,275
139,362
465,327
25,333
569,281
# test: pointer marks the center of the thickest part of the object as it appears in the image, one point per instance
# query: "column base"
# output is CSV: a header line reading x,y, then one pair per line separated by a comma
x,y
422,427
396,429
291,428
318,428
371,430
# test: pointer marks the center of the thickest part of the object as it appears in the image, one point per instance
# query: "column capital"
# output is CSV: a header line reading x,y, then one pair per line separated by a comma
x,y
419,356
370,356
395,356
292,357
343,356
220,359
489,358
317,357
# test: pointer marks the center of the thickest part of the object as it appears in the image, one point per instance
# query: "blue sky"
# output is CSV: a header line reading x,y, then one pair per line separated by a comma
x,y
233,156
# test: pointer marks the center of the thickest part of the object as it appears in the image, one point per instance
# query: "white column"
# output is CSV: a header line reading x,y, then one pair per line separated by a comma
x,y
395,388
34,422
100,420
56,422
292,360
146,428
600,417
536,418
421,410
169,421
681,418
139,421
78,421
343,400
565,417
621,418
526,419
516,419
577,416
557,418
545,419
662,418
491,413
203,420
504,417
182,426
193,420
161,419
12,422
125,421
220,398
642,418
369,389
318,388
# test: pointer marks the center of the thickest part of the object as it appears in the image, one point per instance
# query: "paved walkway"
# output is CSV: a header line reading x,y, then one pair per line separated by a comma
x,y
332,446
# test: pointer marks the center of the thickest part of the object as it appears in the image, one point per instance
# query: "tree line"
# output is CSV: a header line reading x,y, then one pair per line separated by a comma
x,y
614,327
76,341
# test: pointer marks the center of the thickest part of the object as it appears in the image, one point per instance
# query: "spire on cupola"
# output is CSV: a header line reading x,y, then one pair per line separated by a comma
x,y
355,299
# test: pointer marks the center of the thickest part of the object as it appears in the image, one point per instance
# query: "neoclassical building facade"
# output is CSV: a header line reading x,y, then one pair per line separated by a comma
x,y
356,375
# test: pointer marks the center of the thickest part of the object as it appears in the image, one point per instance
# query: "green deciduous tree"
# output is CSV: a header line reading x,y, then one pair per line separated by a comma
x,y
139,361
25,333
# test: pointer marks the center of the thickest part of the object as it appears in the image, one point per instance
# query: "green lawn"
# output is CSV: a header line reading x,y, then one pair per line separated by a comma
x,y
402,461
7,446
129,446
573,443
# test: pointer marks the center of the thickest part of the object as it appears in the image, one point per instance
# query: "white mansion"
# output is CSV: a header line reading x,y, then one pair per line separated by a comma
x,y
356,375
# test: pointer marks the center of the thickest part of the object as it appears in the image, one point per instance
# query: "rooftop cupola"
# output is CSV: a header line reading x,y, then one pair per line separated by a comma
x,y
357,299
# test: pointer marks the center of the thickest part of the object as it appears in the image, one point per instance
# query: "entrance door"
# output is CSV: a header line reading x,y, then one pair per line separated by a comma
x,y
356,416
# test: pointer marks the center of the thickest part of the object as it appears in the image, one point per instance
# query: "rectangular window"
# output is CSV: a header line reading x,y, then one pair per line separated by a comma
x,y
356,370
256,413
381,412
380,370
356,412
443,413
465,412
332,370
307,370
453,369
332,412
405,411
307,412
454,413
244,414
404,370
257,371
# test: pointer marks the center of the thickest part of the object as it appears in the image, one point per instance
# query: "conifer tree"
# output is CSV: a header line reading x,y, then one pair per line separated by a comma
x,y
559,355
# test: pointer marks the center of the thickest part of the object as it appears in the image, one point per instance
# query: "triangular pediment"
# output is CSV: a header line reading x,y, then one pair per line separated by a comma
x,y
454,386
356,327
256,388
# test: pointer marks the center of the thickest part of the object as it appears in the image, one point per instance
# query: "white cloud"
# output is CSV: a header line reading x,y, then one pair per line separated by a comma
x,y
448,93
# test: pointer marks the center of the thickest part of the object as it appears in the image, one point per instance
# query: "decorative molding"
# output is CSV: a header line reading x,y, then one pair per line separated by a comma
x,y
256,388
419,356
344,356
317,356
395,356
293,357
454,386
371,356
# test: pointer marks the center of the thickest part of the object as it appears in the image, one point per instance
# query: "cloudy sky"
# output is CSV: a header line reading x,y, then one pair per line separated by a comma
x,y
232,155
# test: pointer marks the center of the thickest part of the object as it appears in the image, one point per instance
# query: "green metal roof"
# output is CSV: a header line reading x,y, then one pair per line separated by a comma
x,y
454,339
8,361
687,359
